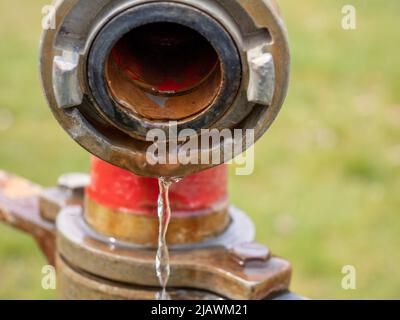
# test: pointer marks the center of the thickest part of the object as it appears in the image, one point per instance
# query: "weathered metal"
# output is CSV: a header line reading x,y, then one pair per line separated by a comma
x,y
52,200
108,96
77,284
143,229
125,107
122,205
76,182
246,253
93,266
121,190
210,267
256,31
70,191
19,207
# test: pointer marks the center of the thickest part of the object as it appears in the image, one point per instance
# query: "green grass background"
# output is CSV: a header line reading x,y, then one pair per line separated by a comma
x,y
325,191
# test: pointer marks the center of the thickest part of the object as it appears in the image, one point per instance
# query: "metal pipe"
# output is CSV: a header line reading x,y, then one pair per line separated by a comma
x,y
123,206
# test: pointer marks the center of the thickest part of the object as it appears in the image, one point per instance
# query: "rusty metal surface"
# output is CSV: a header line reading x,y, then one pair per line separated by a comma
x,y
252,252
52,200
212,269
243,18
69,192
240,230
77,285
75,182
19,207
92,269
143,229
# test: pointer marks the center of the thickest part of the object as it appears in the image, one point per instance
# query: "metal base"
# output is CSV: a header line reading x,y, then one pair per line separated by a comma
x,y
75,285
79,285
209,266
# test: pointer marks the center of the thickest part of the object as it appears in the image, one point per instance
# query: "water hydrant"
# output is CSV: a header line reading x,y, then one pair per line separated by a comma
x,y
113,71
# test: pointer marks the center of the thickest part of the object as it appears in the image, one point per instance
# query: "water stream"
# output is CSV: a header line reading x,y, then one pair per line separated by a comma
x,y
164,215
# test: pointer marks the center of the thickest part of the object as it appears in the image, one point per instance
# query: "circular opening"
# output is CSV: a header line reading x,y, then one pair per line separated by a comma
x,y
164,71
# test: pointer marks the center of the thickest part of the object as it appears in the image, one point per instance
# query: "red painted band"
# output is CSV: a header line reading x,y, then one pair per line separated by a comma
x,y
121,190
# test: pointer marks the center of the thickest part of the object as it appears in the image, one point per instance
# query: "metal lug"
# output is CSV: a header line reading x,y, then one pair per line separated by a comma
x,y
65,80
250,252
262,76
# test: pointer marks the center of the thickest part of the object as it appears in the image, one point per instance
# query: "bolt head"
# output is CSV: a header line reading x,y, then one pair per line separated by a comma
x,y
248,252
74,181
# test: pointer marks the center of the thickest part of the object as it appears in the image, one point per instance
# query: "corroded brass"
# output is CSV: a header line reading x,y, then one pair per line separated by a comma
x,y
76,284
143,229
164,71
210,267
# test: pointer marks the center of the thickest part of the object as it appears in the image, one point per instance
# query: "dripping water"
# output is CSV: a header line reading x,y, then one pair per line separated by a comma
x,y
164,216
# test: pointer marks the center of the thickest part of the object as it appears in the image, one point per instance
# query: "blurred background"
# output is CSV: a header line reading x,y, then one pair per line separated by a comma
x,y
326,188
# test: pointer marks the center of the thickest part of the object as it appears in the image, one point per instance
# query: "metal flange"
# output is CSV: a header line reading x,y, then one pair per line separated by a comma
x,y
259,61
212,265
76,284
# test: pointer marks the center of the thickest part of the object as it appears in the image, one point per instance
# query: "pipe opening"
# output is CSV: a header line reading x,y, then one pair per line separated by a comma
x,y
164,71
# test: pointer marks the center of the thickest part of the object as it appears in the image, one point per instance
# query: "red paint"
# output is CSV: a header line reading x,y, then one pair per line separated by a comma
x,y
118,189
